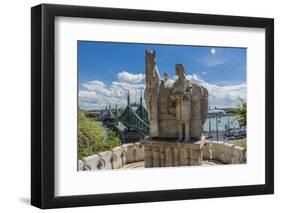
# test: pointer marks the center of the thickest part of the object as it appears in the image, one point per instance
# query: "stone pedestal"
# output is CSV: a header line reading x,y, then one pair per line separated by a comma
x,y
161,153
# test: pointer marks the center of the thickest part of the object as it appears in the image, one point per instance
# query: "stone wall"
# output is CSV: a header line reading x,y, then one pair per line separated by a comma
x,y
225,153
166,154
113,159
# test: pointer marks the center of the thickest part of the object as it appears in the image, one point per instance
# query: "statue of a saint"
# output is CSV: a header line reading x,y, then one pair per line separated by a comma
x,y
181,94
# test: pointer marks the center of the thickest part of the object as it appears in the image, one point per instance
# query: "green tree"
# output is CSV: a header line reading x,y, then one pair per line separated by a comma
x,y
241,112
92,138
113,138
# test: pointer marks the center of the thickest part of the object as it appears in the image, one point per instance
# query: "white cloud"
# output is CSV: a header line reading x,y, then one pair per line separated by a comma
x,y
98,87
204,73
194,78
87,96
222,96
213,51
97,95
125,76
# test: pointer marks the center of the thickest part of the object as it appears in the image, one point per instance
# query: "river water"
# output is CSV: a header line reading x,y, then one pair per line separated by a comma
x,y
224,122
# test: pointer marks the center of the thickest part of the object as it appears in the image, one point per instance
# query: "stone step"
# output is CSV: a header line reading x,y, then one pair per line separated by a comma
x,y
140,164
134,165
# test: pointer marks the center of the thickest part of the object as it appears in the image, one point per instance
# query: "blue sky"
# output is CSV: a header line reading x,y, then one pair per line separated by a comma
x,y
106,66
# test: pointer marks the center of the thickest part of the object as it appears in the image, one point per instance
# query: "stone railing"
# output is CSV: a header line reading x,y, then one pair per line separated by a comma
x,y
224,152
116,158
113,159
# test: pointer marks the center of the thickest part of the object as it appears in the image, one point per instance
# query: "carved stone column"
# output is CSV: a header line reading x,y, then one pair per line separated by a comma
x,y
163,153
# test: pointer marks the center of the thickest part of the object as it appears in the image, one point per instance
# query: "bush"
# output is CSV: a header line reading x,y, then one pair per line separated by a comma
x,y
241,112
92,138
241,142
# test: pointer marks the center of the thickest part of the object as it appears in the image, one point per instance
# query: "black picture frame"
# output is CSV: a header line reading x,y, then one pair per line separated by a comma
x,y
43,105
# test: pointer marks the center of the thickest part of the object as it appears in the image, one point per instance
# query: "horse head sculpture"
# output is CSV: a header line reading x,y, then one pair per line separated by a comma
x,y
151,70
152,78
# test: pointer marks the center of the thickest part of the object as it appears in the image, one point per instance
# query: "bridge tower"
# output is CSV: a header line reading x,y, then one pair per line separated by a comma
x,y
141,111
128,99
141,98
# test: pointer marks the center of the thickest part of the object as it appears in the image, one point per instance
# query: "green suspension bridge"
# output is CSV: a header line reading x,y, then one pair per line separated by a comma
x,y
130,121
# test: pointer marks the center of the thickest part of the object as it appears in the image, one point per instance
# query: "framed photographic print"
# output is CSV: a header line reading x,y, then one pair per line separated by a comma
x,y
139,106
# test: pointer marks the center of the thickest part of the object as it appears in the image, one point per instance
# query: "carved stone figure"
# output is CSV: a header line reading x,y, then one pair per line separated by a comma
x,y
181,94
151,91
176,109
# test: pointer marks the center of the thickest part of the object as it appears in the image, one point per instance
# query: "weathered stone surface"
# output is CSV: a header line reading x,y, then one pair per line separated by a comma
x,y
156,156
113,159
168,127
166,154
204,105
139,152
215,147
125,150
223,153
238,155
226,153
91,162
151,92
80,165
176,109
131,153
148,156
196,129
169,156
106,160
117,158
206,151
162,156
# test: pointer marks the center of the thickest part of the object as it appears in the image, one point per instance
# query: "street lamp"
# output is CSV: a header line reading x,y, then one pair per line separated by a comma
x,y
228,123
209,124
217,122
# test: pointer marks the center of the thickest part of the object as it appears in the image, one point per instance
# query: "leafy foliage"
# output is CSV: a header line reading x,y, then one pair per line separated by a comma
x,y
241,142
93,137
241,112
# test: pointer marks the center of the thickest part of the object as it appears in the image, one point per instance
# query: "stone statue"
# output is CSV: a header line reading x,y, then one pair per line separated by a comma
x,y
177,109
181,94
151,91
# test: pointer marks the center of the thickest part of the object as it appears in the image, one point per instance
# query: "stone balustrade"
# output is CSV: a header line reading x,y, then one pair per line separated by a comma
x,y
225,153
113,159
116,158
